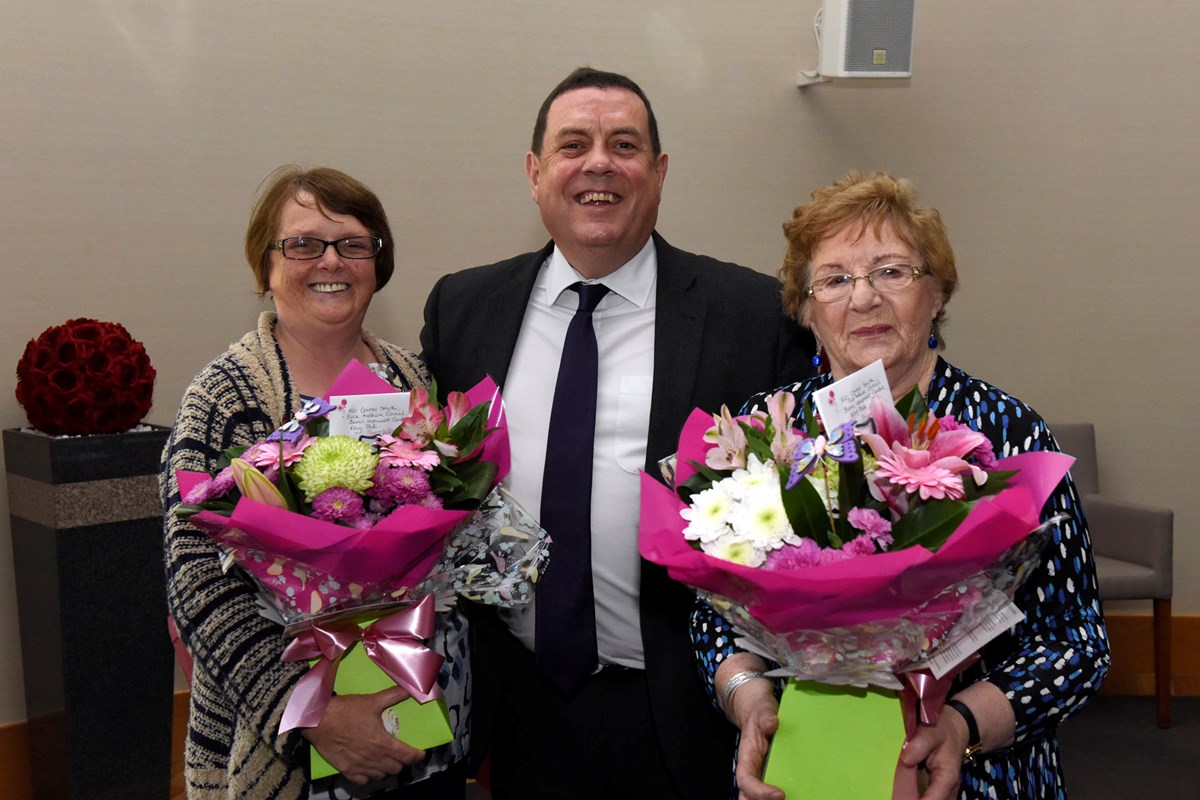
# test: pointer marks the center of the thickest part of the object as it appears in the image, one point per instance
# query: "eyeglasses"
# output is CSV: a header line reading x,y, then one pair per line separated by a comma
x,y
306,248
888,279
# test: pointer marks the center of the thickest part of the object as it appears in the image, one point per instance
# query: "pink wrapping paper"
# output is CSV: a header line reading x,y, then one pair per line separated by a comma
x,y
397,552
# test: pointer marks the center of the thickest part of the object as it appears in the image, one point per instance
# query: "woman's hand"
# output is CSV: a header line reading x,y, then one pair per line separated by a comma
x,y
941,749
755,711
351,736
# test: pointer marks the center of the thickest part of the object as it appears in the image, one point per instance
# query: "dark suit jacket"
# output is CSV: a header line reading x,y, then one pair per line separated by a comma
x,y
720,335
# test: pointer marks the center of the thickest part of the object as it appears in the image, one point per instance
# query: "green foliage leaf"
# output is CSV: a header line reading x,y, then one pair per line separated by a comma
x,y
912,405
996,482
929,525
704,477
805,510
471,430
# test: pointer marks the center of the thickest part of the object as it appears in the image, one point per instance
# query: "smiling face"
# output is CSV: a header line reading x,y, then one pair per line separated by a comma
x,y
868,325
326,292
597,181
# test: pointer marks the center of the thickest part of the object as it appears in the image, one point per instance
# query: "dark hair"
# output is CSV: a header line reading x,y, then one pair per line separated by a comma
x,y
869,200
334,192
588,78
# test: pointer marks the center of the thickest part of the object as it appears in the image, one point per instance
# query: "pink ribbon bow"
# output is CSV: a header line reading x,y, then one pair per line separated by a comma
x,y
921,700
395,643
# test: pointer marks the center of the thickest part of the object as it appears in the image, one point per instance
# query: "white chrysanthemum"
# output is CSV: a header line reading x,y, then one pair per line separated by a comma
x,y
756,475
760,518
708,516
735,549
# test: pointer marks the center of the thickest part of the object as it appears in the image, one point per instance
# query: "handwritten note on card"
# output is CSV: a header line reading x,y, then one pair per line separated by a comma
x,y
850,398
365,416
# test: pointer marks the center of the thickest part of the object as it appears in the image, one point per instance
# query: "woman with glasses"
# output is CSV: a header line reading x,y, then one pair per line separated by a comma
x,y
319,244
870,272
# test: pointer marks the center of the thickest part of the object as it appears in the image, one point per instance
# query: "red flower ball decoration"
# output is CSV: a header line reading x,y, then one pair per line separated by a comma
x,y
85,377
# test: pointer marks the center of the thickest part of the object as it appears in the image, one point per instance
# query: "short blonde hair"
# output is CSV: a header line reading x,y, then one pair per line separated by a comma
x,y
870,199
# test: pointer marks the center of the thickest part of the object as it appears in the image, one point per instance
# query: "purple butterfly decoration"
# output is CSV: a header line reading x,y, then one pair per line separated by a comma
x,y
292,430
840,446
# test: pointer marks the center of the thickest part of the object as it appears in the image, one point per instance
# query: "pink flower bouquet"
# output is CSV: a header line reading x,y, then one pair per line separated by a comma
x,y
338,531
853,556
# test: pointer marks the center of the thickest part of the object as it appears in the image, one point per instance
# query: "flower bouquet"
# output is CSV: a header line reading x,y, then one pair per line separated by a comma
x,y
354,538
867,561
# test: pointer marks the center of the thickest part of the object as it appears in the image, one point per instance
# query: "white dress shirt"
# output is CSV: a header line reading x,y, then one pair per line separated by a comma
x,y
624,325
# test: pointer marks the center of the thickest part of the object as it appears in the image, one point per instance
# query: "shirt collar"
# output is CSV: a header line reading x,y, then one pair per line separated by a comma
x,y
633,281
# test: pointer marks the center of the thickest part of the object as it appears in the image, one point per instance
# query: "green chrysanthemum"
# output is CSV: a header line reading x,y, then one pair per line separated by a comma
x,y
336,461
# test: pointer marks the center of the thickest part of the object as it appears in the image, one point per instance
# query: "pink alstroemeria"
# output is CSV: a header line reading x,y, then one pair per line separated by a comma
x,y
423,419
779,409
402,452
457,406
730,441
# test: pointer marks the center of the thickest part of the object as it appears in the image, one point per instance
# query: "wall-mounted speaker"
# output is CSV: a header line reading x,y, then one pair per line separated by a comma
x,y
866,38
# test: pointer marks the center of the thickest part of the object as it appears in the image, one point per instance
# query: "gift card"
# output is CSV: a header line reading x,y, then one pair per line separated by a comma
x,y
365,416
849,400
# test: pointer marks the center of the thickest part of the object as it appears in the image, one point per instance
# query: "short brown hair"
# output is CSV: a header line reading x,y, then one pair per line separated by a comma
x,y
335,192
870,199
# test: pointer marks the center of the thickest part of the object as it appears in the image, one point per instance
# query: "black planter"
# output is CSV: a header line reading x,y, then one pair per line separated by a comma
x,y
91,598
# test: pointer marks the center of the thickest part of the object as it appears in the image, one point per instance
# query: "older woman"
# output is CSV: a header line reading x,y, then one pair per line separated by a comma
x,y
870,271
318,242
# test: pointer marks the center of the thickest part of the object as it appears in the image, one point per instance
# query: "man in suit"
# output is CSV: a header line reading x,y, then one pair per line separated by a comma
x,y
673,332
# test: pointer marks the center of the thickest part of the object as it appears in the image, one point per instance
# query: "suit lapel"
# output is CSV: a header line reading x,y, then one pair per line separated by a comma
x,y
678,332
504,311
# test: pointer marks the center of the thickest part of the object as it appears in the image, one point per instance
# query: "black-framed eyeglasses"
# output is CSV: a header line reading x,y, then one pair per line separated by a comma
x,y
306,248
887,279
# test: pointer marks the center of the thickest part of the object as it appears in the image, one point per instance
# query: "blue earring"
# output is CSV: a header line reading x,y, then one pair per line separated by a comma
x,y
819,362
933,340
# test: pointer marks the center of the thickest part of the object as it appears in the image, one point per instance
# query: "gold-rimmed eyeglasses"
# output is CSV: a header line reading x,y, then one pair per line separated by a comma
x,y
887,279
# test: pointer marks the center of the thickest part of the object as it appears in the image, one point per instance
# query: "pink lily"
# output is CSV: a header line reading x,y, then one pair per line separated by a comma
x,y
254,485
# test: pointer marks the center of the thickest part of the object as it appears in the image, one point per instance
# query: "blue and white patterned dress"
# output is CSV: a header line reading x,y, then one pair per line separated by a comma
x,y
1050,665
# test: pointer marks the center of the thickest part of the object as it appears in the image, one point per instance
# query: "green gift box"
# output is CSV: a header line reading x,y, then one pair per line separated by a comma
x,y
421,725
836,742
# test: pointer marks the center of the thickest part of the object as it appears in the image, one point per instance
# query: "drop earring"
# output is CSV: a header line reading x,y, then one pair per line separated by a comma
x,y
819,362
933,340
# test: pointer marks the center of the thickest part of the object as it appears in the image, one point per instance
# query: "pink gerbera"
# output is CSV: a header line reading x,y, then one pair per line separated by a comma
x,y
403,452
916,472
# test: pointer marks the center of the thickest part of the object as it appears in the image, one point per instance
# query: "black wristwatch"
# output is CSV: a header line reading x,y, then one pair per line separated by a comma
x,y
974,744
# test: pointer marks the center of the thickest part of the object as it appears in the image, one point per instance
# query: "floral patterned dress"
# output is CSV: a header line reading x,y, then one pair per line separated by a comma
x,y
1048,666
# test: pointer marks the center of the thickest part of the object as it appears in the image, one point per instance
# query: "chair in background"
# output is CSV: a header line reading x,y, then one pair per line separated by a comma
x,y
1133,548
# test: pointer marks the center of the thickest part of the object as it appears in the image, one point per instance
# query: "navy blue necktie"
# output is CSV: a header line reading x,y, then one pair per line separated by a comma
x,y
565,631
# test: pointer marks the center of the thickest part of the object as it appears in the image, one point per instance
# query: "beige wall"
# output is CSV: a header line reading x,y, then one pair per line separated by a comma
x,y
1060,141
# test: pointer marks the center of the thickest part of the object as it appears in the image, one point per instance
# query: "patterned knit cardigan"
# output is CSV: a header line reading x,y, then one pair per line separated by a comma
x,y
239,685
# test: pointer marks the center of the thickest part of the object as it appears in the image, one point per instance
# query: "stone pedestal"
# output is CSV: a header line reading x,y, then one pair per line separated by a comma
x,y
91,597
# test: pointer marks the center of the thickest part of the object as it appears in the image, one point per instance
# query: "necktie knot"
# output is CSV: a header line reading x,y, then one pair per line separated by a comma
x,y
590,295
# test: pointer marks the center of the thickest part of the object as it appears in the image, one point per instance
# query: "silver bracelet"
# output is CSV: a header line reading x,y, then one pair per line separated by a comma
x,y
735,683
